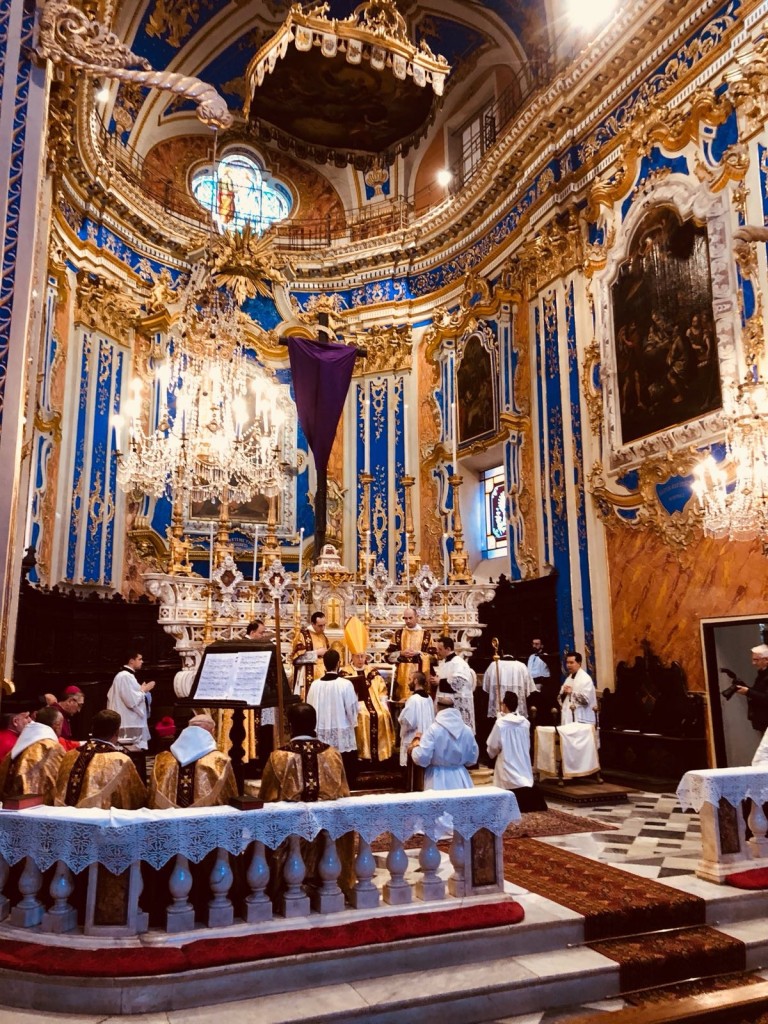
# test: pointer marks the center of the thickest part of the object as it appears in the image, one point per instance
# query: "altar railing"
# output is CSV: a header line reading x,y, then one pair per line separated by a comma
x,y
718,794
58,844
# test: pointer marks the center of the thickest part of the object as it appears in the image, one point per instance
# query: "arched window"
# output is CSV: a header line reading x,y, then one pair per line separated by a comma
x,y
238,192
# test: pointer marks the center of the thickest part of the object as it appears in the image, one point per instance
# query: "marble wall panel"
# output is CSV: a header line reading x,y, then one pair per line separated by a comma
x,y
661,595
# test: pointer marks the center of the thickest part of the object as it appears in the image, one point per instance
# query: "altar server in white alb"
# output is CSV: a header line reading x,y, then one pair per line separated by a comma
x,y
455,670
447,748
334,699
417,715
507,675
577,696
510,744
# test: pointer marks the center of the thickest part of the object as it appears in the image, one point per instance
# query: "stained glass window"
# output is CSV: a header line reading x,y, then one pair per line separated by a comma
x,y
239,192
495,503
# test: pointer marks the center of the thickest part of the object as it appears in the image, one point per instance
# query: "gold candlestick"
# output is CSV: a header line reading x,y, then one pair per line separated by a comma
x,y
364,529
459,572
222,548
270,549
412,560
208,623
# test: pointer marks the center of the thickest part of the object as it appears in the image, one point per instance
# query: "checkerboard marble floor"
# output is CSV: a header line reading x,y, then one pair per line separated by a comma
x,y
654,836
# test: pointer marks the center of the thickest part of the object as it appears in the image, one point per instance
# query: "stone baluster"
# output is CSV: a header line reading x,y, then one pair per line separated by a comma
x,y
295,902
28,912
365,895
180,915
258,906
758,826
396,890
328,897
5,905
430,886
457,883
221,913
62,917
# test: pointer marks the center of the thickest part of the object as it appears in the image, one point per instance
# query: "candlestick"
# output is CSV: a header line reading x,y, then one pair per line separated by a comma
x,y
210,557
255,552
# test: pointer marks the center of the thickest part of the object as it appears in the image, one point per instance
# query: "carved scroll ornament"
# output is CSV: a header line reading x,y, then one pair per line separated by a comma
x,y
67,36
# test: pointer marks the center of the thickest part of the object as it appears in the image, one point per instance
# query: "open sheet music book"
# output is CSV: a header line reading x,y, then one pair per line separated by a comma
x,y
236,676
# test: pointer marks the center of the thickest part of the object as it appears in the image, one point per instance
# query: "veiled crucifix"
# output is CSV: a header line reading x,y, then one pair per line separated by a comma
x,y
322,372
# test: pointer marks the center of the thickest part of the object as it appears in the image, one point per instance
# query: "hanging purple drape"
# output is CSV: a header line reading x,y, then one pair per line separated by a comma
x,y
321,375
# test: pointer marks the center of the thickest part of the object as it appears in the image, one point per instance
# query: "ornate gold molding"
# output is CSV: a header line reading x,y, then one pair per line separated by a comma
x,y
246,263
103,306
51,425
654,123
67,36
475,302
556,251
593,396
389,349
677,529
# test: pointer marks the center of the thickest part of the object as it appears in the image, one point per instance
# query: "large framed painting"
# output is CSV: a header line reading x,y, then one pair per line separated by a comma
x,y
664,331
476,383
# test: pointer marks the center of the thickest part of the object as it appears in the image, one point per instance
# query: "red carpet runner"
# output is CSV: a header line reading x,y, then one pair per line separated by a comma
x,y
126,962
613,902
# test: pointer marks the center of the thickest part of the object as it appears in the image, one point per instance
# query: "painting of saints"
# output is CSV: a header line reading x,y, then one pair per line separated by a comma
x,y
664,330
476,392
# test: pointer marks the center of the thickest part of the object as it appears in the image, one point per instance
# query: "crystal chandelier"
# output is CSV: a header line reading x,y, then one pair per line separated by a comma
x,y
733,494
218,433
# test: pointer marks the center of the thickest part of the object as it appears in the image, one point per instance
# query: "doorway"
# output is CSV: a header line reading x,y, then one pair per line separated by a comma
x,y
727,644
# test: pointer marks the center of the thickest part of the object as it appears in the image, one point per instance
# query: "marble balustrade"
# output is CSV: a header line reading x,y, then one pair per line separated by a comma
x,y
102,859
727,800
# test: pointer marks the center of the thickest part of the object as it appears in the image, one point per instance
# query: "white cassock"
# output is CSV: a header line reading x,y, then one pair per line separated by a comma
x,y
462,681
579,704
417,716
510,744
445,751
501,676
335,701
127,698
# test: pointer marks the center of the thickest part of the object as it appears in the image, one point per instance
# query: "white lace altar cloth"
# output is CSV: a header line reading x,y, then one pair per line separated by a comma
x,y
711,785
116,839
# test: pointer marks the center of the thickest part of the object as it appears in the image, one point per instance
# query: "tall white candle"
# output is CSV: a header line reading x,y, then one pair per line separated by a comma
x,y
301,551
210,557
455,431
366,438
255,551
405,439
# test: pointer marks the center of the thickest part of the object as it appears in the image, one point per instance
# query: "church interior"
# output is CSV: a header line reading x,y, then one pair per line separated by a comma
x,y
475,331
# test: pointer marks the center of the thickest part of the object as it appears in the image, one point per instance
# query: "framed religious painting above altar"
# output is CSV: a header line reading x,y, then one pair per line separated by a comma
x,y
664,334
476,387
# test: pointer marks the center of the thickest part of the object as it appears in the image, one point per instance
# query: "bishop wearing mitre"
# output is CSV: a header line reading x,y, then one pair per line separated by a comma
x,y
375,731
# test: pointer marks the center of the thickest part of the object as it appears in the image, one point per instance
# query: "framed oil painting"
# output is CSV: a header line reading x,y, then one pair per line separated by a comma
x,y
665,340
476,378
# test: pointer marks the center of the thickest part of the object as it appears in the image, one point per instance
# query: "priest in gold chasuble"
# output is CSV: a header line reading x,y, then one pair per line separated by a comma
x,y
307,655
193,773
99,774
33,763
409,651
